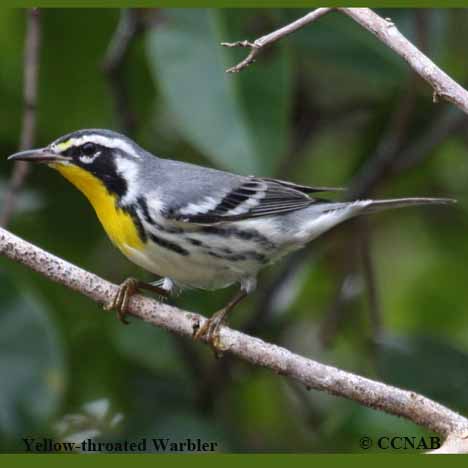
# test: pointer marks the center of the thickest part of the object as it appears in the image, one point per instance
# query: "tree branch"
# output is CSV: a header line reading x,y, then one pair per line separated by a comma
x,y
312,374
386,32
28,131
259,44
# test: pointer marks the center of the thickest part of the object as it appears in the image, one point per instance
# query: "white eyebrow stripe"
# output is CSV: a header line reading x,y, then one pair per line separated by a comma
x,y
102,140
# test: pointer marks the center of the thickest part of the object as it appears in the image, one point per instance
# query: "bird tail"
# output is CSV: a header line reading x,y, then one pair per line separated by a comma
x,y
374,206
324,216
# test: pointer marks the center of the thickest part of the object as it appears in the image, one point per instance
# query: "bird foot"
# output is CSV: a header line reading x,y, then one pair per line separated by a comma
x,y
210,331
121,299
126,290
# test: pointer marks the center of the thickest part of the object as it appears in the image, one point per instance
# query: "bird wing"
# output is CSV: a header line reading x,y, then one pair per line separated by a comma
x,y
252,197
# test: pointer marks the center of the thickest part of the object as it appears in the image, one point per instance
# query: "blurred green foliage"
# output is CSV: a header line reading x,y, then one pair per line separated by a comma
x,y
312,109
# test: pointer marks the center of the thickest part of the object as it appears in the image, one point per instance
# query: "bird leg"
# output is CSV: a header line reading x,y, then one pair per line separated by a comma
x,y
210,329
126,290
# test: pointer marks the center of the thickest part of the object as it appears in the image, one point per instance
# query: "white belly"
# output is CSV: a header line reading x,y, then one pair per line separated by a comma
x,y
198,257
193,271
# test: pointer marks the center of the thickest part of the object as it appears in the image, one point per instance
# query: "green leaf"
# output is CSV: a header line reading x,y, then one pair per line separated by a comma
x,y
238,121
31,362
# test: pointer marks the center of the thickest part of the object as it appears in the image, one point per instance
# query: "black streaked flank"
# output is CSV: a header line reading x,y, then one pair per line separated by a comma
x,y
241,256
130,209
214,254
150,220
244,234
144,209
231,258
170,230
168,244
196,242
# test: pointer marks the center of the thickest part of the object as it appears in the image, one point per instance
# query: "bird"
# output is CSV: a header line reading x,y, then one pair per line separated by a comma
x,y
194,226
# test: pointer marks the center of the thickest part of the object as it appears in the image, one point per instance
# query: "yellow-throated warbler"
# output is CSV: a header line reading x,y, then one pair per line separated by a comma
x,y
194,226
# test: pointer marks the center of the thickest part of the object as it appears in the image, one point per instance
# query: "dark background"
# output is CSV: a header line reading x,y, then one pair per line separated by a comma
x,y
385,297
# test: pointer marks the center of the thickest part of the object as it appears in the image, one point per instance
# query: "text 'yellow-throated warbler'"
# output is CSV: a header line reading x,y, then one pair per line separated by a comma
x,y
194,226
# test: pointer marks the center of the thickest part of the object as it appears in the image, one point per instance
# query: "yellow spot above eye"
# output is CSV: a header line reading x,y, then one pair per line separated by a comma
x,y
64,145
117,223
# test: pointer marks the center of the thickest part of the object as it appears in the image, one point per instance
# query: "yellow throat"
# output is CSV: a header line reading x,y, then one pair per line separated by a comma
x,y
117,223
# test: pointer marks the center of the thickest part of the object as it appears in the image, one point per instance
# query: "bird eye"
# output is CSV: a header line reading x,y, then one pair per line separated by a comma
x,y
88,149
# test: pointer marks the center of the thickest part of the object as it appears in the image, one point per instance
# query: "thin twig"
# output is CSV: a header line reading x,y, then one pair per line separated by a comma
x,y
28,131
127,30
418,409
259,44
386,31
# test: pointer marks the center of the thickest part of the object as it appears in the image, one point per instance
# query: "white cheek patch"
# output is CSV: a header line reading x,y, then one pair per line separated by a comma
x,y
129,170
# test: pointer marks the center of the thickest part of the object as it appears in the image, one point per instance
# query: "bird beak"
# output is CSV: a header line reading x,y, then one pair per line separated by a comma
x,y
43,155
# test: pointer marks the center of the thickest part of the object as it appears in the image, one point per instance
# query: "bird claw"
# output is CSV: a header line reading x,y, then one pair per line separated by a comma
x,y
161,297
210,331
126,290
122,298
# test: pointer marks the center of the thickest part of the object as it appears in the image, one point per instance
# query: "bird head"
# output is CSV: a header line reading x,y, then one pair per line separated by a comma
x,y
91,159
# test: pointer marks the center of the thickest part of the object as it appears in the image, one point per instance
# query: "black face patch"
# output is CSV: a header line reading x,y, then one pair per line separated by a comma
x,y
89,149
99,161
